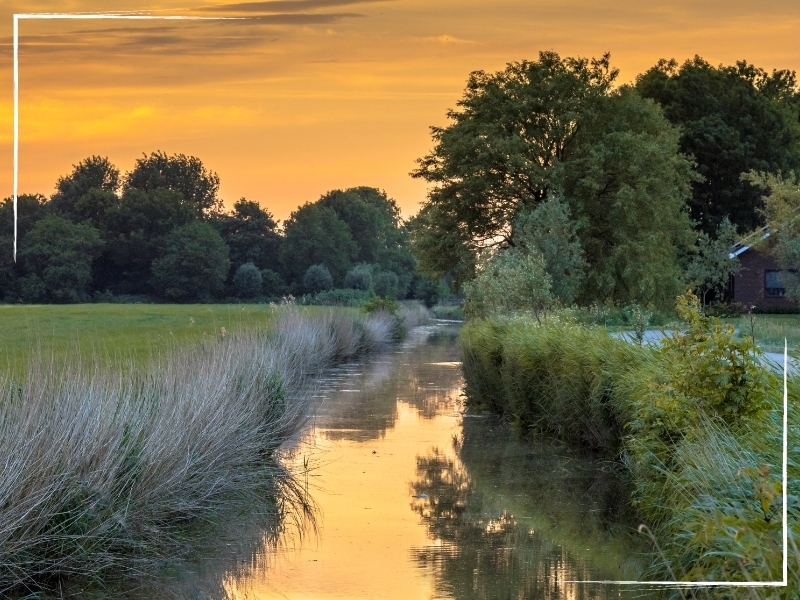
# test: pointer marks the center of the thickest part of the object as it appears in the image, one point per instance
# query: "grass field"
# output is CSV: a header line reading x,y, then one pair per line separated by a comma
x,y
124,334
770,330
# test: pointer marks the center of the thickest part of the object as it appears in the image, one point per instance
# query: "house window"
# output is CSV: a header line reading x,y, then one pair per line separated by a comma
x,y
773,286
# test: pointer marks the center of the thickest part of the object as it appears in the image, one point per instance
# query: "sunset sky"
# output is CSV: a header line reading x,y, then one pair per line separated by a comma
x,y
304,96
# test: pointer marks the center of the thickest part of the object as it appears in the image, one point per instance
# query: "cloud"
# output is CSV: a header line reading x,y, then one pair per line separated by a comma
x,y
449,39
280,6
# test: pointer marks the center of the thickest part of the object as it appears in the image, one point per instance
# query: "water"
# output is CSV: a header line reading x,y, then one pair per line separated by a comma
x,y
415,500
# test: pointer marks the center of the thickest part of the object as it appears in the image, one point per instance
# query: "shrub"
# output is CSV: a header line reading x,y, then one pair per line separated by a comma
x,y
386,285
359,278
317,279
247,281
272,284
336,297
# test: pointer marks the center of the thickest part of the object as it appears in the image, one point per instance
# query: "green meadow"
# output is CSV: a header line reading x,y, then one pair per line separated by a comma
x,y
122,334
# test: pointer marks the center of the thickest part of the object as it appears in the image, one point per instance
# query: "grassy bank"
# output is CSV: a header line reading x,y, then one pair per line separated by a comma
x,y
109,472
697,424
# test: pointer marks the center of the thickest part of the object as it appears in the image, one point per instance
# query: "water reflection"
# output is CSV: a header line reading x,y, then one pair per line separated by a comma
x,y
521,519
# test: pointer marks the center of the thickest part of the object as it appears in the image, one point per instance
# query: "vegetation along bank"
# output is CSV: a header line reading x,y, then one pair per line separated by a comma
x,y
697,423
109,472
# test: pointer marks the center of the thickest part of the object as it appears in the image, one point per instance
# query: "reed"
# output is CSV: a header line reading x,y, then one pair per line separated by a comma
x,y
698,426
107,472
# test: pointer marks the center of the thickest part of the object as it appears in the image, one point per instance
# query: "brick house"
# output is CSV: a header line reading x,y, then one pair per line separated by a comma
x,y
758,281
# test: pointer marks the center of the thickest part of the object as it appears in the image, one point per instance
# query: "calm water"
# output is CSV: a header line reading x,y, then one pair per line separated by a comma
x,y
415,500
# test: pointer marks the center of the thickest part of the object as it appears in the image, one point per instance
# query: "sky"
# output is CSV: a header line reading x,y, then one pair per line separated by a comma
x,y
294,98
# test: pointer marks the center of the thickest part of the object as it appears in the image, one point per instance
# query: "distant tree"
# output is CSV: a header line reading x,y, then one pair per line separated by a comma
x,y
95,172
272,284
386,285
359,277
58,259
251,233
317,279
710,269
135,231
427,290
194,265
549,230
93,206
782,215
247,281
31,208
509,282
315,235
733,119
185,175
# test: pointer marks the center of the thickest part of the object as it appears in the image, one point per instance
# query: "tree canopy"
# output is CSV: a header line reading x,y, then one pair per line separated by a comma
x,y
733,120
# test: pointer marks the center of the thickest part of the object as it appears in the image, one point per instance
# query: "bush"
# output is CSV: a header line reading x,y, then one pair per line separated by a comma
x,y
336,297
247,281
386,285
317,279
272,284
359,278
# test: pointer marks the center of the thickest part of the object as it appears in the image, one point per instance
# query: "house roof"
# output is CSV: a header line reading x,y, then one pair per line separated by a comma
x,y
748,242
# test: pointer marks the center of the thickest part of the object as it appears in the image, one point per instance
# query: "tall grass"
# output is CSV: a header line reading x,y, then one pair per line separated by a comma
x,y
705,470
108,472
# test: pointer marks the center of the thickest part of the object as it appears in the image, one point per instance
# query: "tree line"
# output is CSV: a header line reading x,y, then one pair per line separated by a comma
x,y
160,231
551,183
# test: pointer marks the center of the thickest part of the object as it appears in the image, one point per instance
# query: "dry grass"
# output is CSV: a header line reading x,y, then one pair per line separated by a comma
x,y
107,472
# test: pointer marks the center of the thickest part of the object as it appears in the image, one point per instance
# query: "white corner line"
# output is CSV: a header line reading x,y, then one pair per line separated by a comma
x,y
99,15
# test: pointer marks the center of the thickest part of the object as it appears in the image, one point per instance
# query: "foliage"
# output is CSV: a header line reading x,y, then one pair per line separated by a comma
x,y
697,424
30,208
247,281
336,297
425,289
712,267
315,235
555,126
251,233
549,231
381,304
194,266
781,206
272,283
640,317
734,119
317,279
386,285
93,173
58,259
509,282
359,277
183,174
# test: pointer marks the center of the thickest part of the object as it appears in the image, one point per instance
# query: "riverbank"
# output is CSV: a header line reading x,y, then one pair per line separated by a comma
x,y
109,473
697,426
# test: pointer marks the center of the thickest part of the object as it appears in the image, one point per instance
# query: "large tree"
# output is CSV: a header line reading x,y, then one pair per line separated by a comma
x,y
555,126
95,172
252,235
733,120
183,174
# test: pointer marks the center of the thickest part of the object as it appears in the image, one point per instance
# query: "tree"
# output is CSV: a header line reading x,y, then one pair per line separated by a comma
x,y
711,268
58,259
135,231
499,154
556,127
386,285
549,231
247,281
317,279
185,175
194,266
733,119
31,208
359,277
95,172
251,233
315,235
782,214
509,282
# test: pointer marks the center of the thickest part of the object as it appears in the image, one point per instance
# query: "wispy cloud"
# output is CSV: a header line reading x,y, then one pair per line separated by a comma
x,y
449,39
280,6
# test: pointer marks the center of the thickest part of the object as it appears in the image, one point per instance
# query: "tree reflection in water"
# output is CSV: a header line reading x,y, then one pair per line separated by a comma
x,y
519,519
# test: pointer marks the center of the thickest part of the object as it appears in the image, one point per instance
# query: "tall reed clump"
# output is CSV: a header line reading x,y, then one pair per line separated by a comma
x,y
106,473
697,422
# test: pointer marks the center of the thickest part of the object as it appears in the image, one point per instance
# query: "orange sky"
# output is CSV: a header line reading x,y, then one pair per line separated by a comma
x,y
305,96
